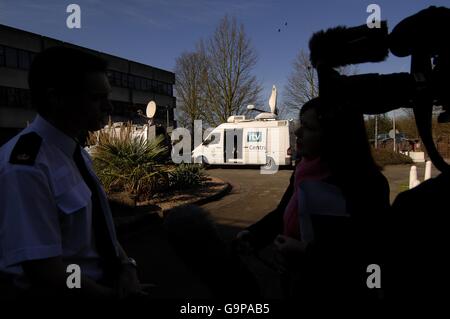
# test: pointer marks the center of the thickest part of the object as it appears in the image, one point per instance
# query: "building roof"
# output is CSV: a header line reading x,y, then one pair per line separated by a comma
x,y
3,26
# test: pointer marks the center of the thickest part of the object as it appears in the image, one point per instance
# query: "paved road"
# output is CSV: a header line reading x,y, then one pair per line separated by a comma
x,y
253,195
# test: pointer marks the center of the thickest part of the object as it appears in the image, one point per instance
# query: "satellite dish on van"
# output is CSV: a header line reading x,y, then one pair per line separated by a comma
x,y
151,109
273,100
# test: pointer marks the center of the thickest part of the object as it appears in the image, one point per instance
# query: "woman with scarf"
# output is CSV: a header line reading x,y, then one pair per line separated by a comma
x,y
328,227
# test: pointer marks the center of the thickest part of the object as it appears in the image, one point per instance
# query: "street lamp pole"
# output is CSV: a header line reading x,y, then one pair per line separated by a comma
x,y
167,116
393,121
376,131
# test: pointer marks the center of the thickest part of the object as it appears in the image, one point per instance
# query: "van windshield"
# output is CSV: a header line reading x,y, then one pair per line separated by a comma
x,y
213,138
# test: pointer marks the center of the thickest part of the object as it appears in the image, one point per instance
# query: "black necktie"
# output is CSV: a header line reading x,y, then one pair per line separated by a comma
x,y
103,241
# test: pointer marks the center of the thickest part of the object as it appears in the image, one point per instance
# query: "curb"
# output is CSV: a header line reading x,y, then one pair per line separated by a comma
x,y
128,229
215,196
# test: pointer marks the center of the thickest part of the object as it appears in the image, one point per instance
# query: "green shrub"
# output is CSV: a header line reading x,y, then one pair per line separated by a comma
x,y
131,164
186,176
388,157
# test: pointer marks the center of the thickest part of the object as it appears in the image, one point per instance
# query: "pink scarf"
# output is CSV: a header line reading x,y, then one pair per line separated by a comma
x,y
307,169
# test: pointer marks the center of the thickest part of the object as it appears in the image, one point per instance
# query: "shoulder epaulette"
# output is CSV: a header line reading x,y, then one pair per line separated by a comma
x,y
26,149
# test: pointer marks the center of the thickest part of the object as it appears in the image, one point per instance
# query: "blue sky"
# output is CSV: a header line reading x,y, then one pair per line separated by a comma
x,y
156,32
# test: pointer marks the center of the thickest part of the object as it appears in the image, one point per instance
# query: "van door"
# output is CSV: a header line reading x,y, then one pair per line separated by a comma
x,y
232,144
255,145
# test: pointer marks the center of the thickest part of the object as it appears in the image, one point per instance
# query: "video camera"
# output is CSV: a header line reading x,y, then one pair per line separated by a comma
x,y
421,36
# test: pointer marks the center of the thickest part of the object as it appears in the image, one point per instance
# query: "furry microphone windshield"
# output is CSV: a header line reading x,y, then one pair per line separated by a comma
x,y
342,46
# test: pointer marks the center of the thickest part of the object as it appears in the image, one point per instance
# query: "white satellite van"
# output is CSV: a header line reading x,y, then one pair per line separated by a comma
x,y
263,140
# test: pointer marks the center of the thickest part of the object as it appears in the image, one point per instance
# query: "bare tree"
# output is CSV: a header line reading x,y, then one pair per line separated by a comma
x,y
283,111
190,72
230,85
406,123
303,83
384,125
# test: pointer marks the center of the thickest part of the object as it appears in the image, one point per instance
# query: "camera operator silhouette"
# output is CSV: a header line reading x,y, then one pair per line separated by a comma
x,y
416,229
410,239
419,234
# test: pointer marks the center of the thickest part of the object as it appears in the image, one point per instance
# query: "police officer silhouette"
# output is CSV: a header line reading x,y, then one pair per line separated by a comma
x,y
53,210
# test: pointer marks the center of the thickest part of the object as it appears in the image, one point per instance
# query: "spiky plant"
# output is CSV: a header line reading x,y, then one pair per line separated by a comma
x,y
130,163
187,176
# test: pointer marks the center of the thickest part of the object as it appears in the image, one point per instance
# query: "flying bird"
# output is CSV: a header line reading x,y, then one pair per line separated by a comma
x,y
285,24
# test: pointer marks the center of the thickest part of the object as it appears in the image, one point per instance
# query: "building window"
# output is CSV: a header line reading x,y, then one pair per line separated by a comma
x,y
131,81
15,58
154,86
142,87
25,98
2,55
110,76
124,80
3,97
147,85
117,78
138,83
10,57
32,55
24,59
14,97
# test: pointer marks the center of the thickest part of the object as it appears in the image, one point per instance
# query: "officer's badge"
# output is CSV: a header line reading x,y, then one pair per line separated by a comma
x,y
26,149
23,157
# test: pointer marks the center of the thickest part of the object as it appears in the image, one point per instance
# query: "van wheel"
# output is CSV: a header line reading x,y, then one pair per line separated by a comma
x,y
270,164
